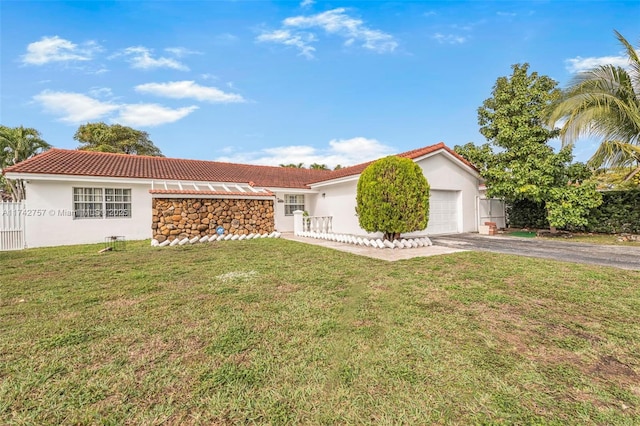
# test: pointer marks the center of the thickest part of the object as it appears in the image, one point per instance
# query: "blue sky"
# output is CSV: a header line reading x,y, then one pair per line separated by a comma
x,y
279,82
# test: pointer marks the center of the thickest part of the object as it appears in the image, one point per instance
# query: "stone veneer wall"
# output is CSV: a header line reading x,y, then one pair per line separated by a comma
x,y
192,217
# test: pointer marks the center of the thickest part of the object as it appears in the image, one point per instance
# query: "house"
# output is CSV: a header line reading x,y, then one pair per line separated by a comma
x,y
76,197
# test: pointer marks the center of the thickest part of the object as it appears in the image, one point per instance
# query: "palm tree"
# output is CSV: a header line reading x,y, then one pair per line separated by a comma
x,y
317,166
605,102
16,145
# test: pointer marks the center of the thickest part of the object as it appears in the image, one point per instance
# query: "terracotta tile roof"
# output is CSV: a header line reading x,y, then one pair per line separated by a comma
x,y
264,193
86,163
413,154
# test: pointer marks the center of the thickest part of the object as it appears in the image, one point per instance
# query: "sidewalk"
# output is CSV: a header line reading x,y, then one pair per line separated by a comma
x,y
390,255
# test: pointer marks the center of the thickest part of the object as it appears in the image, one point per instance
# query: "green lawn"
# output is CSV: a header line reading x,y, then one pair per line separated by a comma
x,y
604,239
601,239
278,332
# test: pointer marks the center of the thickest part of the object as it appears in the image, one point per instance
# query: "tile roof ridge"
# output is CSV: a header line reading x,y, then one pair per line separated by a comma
x,y
412,154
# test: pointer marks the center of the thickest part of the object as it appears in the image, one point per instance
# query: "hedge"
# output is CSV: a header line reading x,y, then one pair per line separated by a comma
x,y
619,213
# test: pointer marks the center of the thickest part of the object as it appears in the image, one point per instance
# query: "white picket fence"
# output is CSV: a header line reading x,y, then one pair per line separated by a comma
x,y
12,225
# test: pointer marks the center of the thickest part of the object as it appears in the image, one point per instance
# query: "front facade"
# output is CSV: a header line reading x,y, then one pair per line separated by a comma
x,y
452,203
77,197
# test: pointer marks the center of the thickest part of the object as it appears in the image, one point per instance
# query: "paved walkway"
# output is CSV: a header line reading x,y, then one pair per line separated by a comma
x,y
624,257
383,254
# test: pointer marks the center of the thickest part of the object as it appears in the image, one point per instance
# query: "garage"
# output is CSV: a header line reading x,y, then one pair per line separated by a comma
x,y
443,212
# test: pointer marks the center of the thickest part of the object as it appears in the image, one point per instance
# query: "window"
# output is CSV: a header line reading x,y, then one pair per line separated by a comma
x,y
117,202
293,203
87,202
101,202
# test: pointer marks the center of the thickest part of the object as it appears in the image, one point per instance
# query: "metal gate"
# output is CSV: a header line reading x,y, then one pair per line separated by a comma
x,y
12,226
491,210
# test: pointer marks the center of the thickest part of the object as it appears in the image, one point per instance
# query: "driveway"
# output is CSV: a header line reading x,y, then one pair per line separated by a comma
x,y
623,257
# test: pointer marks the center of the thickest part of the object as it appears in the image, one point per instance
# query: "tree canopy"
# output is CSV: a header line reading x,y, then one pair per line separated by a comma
x,y
480,156
604,102
317,166
18,144
524,166
115,138
393,197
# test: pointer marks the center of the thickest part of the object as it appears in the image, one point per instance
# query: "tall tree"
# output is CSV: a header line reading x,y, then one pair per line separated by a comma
x,y
480,156
525,167
116,138
392,197
604,102
18,144
293,165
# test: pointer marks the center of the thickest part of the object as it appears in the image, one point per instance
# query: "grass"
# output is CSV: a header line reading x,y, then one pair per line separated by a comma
x,y
604,239
277,332
522,234
601,239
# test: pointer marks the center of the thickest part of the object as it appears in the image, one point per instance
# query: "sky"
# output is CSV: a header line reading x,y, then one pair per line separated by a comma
x,y
278,82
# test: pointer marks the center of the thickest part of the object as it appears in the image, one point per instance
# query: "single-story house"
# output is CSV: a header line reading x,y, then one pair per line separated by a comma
x,y
76,197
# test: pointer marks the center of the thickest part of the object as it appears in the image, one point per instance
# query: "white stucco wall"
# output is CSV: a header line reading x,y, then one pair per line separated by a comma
x,y
339,201
441,172
283,222
445,173
53,224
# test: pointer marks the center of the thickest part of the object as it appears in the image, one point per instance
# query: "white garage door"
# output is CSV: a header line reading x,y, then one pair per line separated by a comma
x,y
443,212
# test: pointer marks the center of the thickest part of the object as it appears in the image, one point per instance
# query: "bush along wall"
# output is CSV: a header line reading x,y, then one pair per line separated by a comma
x,y
527,214
619,213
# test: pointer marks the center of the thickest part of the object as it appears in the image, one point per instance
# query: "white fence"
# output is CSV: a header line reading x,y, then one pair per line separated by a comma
x,y
12,226
320,224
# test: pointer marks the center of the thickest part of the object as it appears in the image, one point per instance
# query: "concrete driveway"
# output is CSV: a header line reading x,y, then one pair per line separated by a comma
x,y
623,257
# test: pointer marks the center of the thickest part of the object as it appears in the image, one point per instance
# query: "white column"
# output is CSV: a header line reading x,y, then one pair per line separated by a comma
x,y
297,222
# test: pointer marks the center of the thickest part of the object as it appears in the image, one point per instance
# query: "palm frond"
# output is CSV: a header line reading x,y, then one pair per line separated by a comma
x,y
634,61
615,153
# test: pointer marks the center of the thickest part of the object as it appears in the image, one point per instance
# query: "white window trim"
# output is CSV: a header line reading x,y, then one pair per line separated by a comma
x,y
296,204
118,197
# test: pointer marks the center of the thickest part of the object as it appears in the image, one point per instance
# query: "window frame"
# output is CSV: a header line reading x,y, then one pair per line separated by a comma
x,y
292,206
101,203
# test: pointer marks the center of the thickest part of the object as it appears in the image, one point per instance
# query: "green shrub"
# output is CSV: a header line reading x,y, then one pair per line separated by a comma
x,y
527,214
393,197
618,213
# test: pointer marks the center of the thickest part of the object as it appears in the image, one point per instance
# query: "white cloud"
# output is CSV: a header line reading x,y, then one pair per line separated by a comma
x,y
74,107
580,64
337,22
345,152
150,114
56,49
334,22
307,3
286,37
140,57
449,38
77,108
101,92
189,90
181,52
